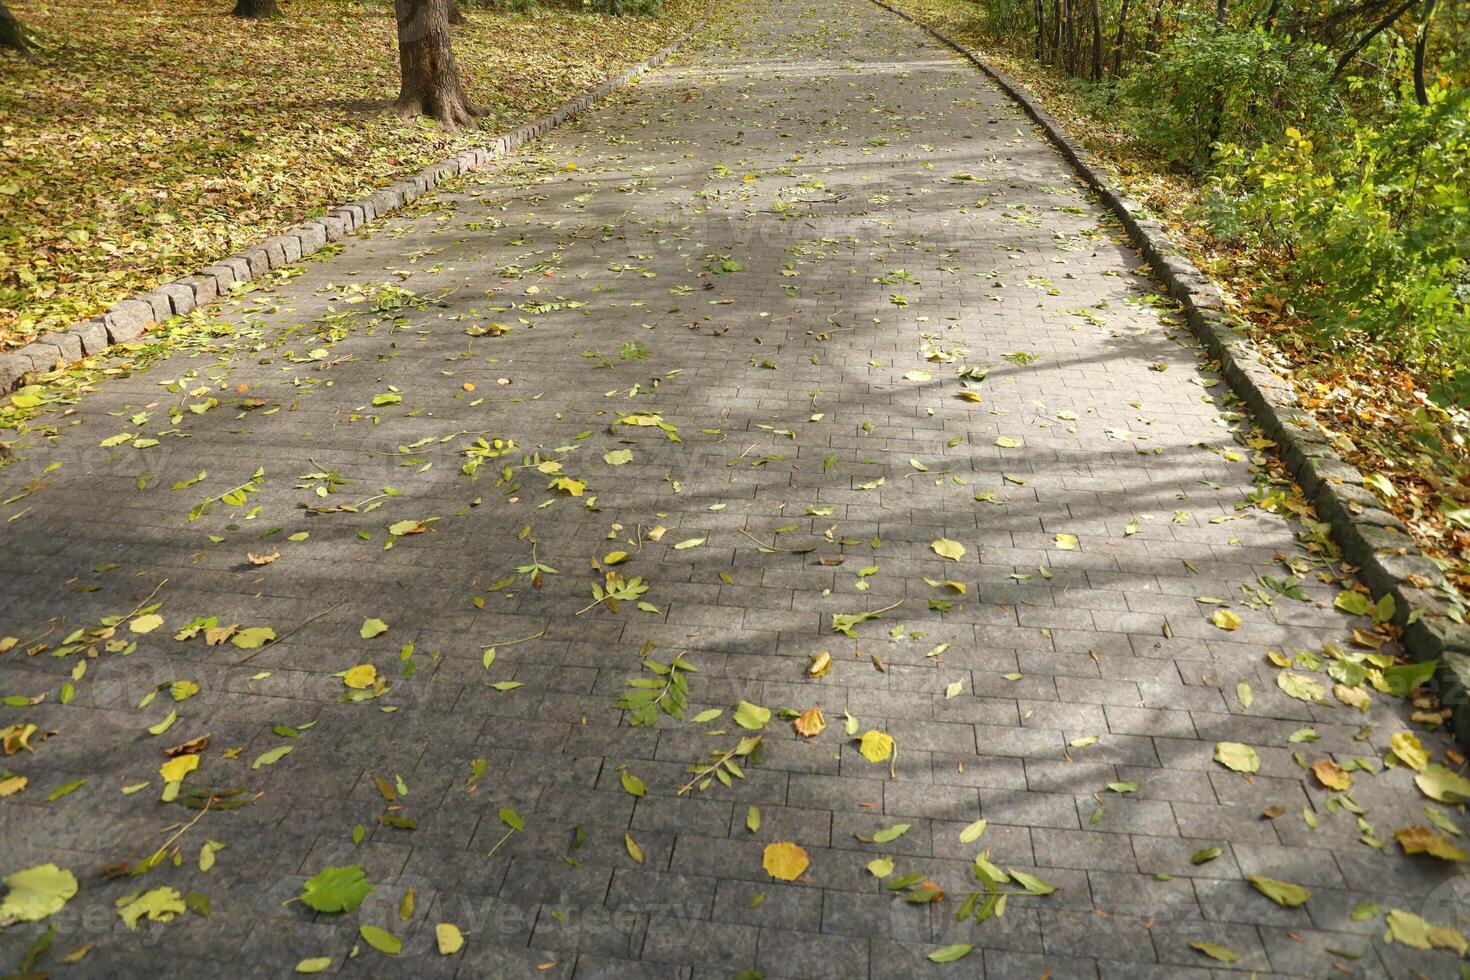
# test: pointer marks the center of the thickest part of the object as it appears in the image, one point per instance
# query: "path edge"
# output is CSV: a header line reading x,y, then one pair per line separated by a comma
x,y
127,320
1388,560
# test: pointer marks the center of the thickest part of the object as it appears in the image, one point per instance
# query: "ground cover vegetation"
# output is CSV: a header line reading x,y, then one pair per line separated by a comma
x,y
141,139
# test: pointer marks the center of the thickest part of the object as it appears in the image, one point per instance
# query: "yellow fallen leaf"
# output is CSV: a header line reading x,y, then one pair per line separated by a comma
x,y
876,746
1410,750
946,548
174,770
146,624
451,940
361,677
1066,542
821,664
571,486
1225,619
785,861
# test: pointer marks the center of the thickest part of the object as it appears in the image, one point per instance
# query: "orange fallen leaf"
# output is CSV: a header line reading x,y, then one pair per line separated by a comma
x,y
1422,840
1331,775
189,748
810,722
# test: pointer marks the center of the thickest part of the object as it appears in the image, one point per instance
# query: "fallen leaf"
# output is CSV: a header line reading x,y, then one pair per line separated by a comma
x,y
1215,951
949,954
361,677
785,861
1422,840
340,889
946,548
1410,750
449,938
1236,756
381,939
36,893
876,746
1280,892
1331,775
810,722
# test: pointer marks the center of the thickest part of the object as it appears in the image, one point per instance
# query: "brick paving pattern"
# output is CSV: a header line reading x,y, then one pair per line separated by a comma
x,y
798,245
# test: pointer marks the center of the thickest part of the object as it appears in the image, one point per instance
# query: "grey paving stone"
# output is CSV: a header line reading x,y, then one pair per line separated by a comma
x,y
796,148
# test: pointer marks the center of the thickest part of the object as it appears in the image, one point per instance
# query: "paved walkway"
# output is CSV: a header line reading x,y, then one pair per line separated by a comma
x,y
798,307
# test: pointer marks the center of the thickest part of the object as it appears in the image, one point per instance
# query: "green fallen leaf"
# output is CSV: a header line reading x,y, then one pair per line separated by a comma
x,y
339,889
1215,951
36,893
272,756
381,939
1280,892
949,954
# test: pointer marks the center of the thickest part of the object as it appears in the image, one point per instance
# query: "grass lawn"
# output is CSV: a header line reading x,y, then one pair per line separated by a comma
x,y
150,137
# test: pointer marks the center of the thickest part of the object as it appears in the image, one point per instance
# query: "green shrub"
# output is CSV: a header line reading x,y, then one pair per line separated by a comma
x,y
1212,85
1374,224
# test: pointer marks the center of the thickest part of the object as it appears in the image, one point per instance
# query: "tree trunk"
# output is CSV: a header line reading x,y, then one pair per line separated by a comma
x,y
1122,39
256,9
1056,32
430,75
456,16
1152,44
12,33
1072,59
1221,7
1040,7
1421,43
1096,41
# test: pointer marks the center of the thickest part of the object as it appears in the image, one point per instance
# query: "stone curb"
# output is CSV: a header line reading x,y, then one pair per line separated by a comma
x,y
1388,561
128,319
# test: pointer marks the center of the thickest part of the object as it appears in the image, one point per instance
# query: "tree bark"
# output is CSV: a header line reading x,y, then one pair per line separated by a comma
x,y
1421,43
430,76
12,32
1152,43
1056,32
1069,39
1121,40
1097,44
1040,7
1221,7
256,9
